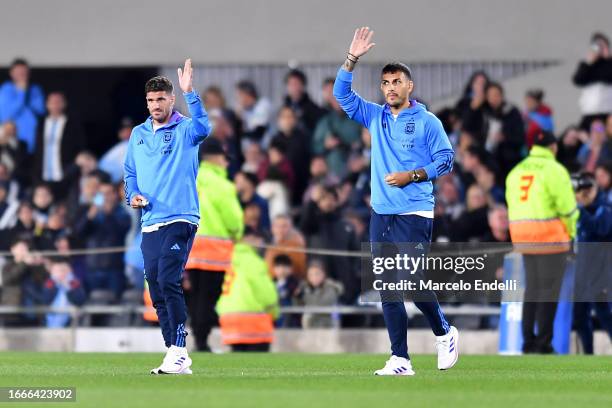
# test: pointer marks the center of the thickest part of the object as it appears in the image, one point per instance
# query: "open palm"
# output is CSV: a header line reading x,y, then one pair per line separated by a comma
x,y
186,77
362,41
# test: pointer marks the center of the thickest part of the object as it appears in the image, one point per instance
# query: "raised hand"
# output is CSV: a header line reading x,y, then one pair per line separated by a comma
x,y
186,77
362,41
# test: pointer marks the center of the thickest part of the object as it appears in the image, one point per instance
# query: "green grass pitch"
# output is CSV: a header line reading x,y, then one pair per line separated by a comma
x,y
307,380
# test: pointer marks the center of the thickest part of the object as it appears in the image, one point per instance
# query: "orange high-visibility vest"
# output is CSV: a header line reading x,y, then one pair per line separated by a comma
x,y
210,254
150,314
246,328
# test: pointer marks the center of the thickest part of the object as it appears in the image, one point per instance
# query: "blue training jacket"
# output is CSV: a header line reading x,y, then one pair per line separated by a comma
x,y
416,139
163,166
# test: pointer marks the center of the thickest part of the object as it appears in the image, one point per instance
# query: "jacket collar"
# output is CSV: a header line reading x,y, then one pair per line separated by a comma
x,y
541,151
175,118
218,170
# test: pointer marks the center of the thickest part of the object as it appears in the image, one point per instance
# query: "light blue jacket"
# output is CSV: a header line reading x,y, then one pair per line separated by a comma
x,y
416,139
163,165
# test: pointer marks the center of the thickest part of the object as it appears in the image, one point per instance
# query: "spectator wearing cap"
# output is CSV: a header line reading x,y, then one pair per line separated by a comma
x,y
254,111
297,98
112,161
594,77
538,115
22,102
334,137
221,225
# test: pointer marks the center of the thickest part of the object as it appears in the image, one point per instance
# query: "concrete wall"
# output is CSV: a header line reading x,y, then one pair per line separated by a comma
x,y
155,32
304,341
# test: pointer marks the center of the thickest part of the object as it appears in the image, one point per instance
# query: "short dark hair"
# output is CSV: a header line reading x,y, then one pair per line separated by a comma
x,y
493,84
19,61
396,66
599,36
251,177
247,87
296,73
282,260
159,84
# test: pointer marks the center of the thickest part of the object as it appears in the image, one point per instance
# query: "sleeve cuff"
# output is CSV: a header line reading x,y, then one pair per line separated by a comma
x,y
430,169
191,97
344,75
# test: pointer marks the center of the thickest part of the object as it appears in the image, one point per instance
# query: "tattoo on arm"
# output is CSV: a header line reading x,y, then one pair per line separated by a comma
x,y
348,65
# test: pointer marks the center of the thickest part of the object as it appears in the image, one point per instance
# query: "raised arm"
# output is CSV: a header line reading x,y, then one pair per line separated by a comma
x,y
200,127
354,105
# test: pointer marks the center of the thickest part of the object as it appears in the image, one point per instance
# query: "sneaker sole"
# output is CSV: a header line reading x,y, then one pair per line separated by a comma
x,y
456,351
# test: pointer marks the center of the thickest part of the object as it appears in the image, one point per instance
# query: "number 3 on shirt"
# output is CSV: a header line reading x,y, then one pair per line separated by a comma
x,y
526,182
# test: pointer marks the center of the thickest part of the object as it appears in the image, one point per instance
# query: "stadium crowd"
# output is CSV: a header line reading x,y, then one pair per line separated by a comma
x,y
301,171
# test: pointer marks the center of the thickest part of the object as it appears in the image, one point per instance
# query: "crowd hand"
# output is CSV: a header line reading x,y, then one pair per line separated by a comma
x,y
138,201
331,142
186,77
93,212
398,179
362,42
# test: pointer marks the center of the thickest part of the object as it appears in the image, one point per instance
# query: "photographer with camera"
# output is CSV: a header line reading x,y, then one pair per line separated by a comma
x,y
594,76
593,263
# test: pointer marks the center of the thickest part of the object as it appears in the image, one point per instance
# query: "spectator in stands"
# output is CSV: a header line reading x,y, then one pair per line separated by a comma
x,y
486,178
473,94
52,229
14,154
498,225
297,98
85,164
325,228
597,150
603,178
215,100
105,224
297,146
25,225
277,166
286,285
20,275
253,110
112,161
32,281
317,290
594,77
538,116
253,157
252,220
570,143
59,139
327,93
224,132
285,235
62,289
593,279
246,184
472,225
498,127
319,175
334,137
8,216
42,201
22,102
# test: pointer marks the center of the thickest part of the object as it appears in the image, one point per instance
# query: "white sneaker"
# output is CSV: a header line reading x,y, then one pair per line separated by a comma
x,y
396,366
448,349
176,361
